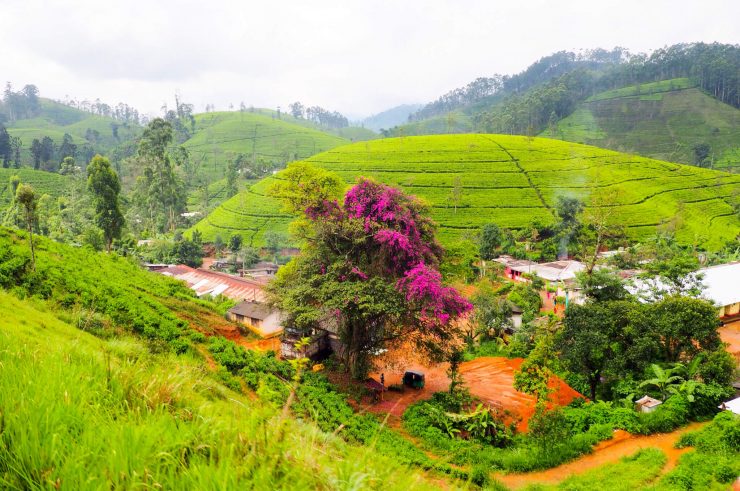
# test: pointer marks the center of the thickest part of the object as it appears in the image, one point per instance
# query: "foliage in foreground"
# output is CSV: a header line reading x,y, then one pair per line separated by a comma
x,y
77,412
715,462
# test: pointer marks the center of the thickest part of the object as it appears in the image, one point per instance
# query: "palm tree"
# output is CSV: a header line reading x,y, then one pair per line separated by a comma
x,y
664,379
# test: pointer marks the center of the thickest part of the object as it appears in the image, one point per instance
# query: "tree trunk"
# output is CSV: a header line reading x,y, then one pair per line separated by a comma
x,y
30,241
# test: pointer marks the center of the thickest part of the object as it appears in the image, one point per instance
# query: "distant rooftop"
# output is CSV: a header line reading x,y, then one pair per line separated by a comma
x,y
205,282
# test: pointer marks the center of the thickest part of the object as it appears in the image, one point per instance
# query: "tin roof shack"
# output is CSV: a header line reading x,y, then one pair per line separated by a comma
x,y
647,404
260,271
259,317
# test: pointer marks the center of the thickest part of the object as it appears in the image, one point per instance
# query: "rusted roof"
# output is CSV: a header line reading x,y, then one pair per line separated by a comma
x,y
205,282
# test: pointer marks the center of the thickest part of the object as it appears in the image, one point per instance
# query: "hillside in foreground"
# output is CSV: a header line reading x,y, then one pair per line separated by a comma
x,y
663,120
107,382
471,180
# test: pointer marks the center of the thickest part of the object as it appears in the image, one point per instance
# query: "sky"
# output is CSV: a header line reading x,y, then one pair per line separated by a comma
x,y
356,57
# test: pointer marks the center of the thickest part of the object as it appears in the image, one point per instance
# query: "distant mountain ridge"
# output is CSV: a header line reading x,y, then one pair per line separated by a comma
x,y
390,117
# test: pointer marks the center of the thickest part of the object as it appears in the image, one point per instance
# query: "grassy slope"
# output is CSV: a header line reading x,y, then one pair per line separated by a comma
x,y
662,120
219,136
79,412
43,182
510,180
121,410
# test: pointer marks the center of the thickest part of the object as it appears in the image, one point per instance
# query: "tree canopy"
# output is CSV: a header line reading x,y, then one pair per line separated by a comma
x,y
369,274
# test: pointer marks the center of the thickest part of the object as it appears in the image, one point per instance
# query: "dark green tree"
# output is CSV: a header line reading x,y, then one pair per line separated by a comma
x,y
103,184
491,238
28,200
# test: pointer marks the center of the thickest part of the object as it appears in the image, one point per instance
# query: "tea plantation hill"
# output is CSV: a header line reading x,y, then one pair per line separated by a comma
x,y
662,120
220,136
43,182
56,119
511,181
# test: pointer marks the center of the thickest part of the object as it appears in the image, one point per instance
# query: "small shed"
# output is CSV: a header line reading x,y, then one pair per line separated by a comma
x,y
647,404
259,316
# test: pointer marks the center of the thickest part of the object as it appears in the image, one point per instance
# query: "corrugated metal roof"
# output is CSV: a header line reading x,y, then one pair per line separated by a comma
x,y
205,282
722,283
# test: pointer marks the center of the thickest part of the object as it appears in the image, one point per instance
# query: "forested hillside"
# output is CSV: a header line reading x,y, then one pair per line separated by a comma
x,y
515,182
671,120
552,89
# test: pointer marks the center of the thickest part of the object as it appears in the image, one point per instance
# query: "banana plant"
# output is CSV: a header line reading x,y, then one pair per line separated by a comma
x,y
663,379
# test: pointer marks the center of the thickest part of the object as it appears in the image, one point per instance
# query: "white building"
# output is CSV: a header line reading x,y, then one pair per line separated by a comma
x,y
723,287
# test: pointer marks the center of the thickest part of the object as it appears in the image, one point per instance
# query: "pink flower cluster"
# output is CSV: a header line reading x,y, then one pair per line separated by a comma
x,y
393,220
423,286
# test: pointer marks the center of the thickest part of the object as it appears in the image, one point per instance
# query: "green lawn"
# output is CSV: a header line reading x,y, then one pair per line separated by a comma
x,y
512,181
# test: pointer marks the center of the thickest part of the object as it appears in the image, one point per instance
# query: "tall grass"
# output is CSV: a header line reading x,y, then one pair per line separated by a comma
x,y
77,412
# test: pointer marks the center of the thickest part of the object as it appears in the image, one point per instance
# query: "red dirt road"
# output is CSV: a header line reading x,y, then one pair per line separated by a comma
x,y
490,379
607,452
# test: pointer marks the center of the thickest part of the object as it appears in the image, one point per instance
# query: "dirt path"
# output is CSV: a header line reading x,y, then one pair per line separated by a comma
x,y
607,452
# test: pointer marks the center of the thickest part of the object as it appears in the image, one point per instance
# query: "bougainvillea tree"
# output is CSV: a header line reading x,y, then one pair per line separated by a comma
x,y
368,272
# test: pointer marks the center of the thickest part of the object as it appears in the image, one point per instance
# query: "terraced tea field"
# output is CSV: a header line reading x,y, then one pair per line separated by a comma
x,y
43,182
511,181
219,136
663,120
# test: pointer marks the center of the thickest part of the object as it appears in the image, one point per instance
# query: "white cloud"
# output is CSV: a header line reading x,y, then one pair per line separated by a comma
x,y
358,57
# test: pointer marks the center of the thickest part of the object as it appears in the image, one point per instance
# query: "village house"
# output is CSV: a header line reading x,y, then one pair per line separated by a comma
x,y
259,317
723,288
558,275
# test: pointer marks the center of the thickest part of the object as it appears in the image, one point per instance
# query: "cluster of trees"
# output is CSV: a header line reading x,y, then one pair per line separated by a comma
x,y
319,115
181,118
542,71
122,112
21,104
581,232
159,196
95,201
613,340
10,148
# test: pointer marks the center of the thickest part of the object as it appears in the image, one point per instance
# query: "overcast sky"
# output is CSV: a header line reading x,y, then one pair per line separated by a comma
x,y
358,57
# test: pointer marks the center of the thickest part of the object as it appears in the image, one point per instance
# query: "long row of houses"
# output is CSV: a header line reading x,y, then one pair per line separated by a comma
x,y
721,282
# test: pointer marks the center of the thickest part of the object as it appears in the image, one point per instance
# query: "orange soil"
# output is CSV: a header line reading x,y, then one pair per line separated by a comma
x,y
489,379
730,334
607,452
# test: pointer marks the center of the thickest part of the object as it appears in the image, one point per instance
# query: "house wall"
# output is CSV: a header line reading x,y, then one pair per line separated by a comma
x,y
730,310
